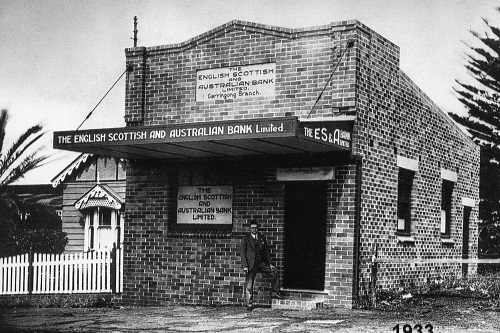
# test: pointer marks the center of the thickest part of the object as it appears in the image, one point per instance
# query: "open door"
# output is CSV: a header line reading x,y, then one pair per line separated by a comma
x,y
305,235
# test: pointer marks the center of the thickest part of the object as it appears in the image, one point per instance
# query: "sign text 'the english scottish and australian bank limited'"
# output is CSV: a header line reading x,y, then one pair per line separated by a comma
x,y
185,132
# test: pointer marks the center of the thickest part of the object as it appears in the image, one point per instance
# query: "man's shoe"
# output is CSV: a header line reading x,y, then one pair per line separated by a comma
x,y
276,295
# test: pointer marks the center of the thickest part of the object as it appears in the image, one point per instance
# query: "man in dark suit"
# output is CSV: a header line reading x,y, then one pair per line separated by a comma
x,y
255,259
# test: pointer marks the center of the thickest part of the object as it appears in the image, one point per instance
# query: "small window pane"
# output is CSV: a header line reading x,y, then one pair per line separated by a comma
x,y
401,224
106,166
443,221
105,217
91,218
122,170
88,173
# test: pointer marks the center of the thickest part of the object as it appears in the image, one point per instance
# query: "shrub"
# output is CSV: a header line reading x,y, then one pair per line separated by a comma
x,y
37,240
39,232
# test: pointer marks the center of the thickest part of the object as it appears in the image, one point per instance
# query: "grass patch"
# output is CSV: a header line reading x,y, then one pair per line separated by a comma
x,y
56,301
485,288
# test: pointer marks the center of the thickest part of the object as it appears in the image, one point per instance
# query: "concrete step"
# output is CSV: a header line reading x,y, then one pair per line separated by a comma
x,y
295,304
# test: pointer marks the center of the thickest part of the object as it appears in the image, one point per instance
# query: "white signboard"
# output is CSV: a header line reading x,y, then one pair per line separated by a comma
x,y
205,205
307,174
236,82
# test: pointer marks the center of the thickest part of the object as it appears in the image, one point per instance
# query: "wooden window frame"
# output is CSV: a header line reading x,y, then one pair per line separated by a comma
x,y
447,188
405,189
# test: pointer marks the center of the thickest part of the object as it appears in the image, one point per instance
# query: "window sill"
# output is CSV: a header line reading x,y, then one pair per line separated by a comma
x,y
405,239
447,241
199,233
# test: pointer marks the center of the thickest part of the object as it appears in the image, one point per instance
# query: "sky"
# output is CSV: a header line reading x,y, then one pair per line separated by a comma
x,y
58,58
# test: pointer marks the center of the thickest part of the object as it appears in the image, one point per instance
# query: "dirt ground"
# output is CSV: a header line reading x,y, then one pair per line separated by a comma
x,y
445,314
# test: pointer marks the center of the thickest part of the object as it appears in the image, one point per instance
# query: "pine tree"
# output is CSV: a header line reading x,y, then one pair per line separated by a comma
x,y
482,101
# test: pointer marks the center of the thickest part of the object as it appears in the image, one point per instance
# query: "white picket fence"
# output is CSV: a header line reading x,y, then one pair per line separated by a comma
x,y
36,273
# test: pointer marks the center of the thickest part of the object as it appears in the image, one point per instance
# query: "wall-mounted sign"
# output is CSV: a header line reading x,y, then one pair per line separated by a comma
x,y
205,205
305,174
329,132
236,82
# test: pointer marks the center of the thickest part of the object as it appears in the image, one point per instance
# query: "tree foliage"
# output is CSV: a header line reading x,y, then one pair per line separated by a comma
x,y
482,101
42,230
19,158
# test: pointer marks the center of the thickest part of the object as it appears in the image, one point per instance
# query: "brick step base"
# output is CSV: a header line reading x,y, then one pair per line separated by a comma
x,y
299,300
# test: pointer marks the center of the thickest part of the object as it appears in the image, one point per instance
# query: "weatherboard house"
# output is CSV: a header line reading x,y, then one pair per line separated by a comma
x,y
314,132
93,202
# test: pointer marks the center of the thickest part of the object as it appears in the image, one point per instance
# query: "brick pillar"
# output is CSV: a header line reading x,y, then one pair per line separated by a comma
x,y
135,90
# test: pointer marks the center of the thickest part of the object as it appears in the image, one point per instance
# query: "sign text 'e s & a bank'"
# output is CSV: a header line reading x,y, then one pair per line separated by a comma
x,y
333,133
205,205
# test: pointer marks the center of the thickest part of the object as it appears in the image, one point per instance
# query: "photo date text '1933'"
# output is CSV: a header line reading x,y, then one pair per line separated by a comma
x,y
407,328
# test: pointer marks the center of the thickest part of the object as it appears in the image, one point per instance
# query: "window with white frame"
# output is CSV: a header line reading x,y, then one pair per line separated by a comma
x,y
101,208
446,204
448,180
103,228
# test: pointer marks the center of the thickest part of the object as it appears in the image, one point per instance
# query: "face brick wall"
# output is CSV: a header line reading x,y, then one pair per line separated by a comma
x,y
397,118
162,266
303,65
393,118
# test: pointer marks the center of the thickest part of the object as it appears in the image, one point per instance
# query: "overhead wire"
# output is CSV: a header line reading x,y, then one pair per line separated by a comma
x,y
95,107
350,43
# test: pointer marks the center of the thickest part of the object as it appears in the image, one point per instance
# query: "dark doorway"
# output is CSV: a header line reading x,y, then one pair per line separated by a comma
x,y
465,239
305,235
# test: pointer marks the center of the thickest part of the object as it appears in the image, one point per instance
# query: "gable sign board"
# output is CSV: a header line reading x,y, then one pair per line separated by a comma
x,y
220,84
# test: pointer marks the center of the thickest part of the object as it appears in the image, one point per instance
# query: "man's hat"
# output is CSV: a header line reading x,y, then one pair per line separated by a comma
x,y
253,223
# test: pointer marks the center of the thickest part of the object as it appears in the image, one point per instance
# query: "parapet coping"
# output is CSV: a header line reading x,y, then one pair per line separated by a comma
x,y
286,33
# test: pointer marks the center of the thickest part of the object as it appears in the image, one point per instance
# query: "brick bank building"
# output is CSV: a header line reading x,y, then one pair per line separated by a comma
x,y
314,132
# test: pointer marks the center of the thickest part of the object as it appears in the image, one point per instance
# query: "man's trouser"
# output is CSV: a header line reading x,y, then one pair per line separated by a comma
x,y
266,270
